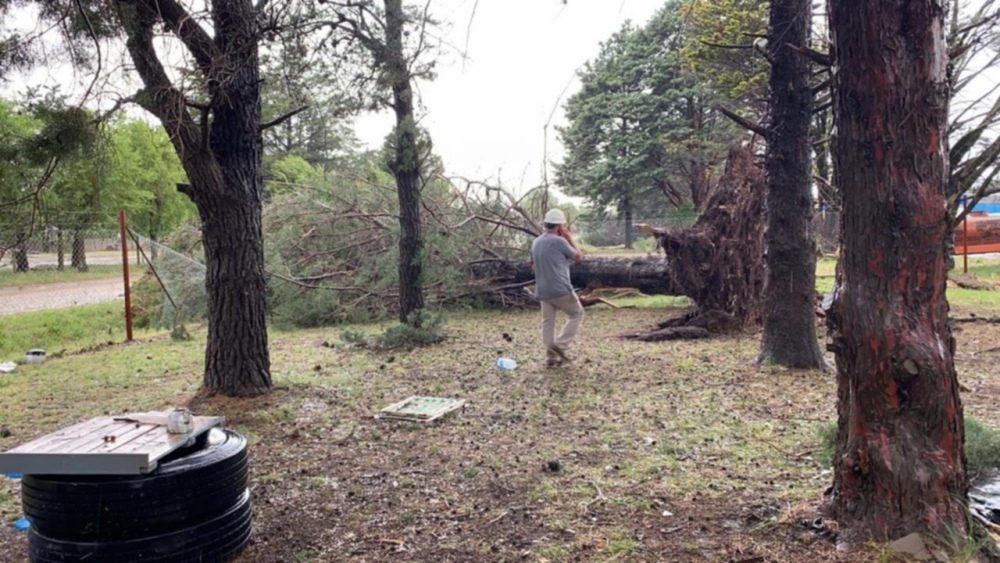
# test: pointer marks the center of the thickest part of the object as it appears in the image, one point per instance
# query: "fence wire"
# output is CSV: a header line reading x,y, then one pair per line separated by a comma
x,y
41,247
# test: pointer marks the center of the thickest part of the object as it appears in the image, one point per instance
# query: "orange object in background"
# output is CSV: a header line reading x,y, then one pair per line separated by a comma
x,y
981,234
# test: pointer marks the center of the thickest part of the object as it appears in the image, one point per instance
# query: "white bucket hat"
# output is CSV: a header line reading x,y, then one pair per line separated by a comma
x,y
555,217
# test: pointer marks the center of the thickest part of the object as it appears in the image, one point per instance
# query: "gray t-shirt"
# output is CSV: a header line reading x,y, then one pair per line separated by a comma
x,y
552,256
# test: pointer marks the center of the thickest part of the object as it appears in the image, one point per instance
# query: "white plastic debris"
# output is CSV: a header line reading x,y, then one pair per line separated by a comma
x,y
34,356
180,421
7,367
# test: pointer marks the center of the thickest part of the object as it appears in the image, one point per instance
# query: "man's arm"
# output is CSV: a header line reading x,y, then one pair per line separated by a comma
x,y
565,234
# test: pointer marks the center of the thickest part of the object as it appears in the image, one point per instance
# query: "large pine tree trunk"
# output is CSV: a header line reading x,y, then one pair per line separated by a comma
x,y
220,151
405,167
900,465
237,362
789,304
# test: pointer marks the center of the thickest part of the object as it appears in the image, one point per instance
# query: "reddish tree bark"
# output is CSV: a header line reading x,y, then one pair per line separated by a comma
x,y
900,466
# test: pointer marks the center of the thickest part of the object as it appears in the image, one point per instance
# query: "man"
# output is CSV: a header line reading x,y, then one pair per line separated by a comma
x,y
551,256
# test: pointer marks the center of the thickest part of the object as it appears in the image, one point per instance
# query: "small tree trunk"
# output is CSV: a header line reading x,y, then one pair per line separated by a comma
x,y
78,258
900,466
60,250
789,305
405,167
21,253
627,222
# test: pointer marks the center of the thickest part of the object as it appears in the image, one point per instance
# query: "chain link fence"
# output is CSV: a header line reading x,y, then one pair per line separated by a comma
x,y
92,240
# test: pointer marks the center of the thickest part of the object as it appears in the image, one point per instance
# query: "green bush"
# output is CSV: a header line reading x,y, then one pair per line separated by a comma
x,y
827,434
982,445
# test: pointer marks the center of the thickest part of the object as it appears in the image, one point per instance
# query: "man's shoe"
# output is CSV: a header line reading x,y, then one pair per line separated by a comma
x,y
561,353
553,363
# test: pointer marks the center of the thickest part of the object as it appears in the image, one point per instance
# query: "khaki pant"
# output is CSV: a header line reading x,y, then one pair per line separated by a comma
x,y
569,304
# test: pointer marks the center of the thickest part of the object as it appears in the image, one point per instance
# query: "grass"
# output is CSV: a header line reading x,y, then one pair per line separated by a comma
x,y
10,278
988,269
69,329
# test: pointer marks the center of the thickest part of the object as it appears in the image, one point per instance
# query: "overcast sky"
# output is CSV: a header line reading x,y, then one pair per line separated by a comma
x,y
488,116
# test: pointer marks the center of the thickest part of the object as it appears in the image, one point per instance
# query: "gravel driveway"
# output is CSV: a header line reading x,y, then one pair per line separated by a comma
x,y
58,295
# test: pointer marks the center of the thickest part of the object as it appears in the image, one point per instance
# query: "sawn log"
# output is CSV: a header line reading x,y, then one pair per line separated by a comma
x,y
647,274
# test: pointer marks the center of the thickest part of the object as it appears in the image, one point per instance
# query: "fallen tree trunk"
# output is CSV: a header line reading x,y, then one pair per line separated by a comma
x,y
649,275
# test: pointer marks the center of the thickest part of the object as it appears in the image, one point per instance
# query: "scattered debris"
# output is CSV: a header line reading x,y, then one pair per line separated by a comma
x,y
34,356
553,466
420,409
22,524
506,363
912,545
7,367
970,281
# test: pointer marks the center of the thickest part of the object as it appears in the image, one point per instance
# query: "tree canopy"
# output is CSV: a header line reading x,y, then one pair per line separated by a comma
x,y
642,131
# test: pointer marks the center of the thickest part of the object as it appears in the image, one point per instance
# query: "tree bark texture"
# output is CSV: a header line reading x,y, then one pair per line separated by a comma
x,y
789,304
719,261
405,167
900,465
220,148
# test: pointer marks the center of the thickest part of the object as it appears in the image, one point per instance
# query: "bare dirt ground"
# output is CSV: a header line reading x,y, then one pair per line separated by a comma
x,y
57,295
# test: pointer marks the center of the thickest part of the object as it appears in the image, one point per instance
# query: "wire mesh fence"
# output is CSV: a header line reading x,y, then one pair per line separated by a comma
x,y
50,247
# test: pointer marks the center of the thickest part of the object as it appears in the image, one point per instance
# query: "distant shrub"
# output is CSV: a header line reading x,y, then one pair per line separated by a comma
x,y
982,446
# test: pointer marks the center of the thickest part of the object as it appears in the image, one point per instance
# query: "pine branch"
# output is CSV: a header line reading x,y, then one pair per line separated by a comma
x,y
283,118
745,123
182,23
822,59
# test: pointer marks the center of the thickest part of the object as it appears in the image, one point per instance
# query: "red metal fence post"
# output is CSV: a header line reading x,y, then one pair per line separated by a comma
x,y
128,291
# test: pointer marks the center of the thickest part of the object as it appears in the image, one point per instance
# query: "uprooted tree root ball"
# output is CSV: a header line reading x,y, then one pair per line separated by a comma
x,y
719,261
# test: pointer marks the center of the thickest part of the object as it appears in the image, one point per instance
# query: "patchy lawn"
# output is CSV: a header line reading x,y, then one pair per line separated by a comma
x,y
673,451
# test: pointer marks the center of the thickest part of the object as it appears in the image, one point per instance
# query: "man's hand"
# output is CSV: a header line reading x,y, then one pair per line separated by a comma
x,y
564,233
